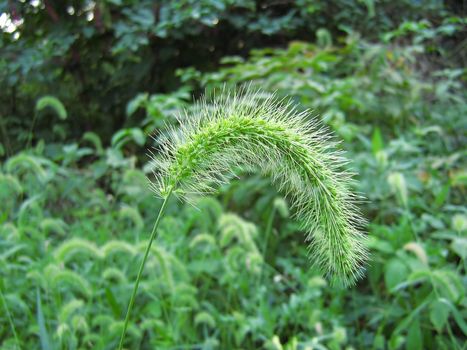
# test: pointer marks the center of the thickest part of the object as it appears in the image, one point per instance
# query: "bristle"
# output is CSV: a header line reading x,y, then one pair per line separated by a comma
x,y
250,128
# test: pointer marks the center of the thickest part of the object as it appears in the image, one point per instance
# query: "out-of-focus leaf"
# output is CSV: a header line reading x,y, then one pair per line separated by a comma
x,y
448,284
459,222
377,143
43,334
398,185
459,246
395,272
137,102
414,340
439,313
126,135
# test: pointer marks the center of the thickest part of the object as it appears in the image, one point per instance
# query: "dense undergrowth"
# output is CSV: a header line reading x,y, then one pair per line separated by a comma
x,y
232,272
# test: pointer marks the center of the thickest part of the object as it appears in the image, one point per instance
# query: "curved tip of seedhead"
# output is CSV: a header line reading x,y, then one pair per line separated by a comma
x,y
248,127
349,276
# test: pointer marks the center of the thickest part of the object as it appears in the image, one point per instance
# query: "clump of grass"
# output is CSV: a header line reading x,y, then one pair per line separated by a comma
x,y
255,132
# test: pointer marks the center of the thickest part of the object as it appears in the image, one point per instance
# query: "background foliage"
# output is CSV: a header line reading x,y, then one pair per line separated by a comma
x,y
83,86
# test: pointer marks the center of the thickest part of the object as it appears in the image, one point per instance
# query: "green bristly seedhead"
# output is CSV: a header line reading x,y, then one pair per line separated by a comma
x,y
250,131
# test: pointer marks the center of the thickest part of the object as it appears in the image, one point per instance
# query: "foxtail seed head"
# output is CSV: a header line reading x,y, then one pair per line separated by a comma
x,y
244,130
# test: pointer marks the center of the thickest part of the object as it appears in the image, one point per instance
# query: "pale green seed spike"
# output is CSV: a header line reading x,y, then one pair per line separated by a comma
x,y
245,129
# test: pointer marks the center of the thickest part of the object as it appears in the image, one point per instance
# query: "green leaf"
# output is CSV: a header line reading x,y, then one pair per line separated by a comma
x,y
43,334
459,246
459,222
459,178
414,340
377,143
54,103
281,206
398,186
139,101
112,302
395,272
126,135
448,284
442,195
439,313
374,243
456,314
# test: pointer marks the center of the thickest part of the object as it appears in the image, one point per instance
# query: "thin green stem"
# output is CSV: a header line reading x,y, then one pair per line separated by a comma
x,y
10,319
31,131
5,137
268,230
270,221
141,268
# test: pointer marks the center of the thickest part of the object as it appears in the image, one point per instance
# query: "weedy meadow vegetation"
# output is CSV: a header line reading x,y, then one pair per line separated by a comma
x,y
230,269
239,130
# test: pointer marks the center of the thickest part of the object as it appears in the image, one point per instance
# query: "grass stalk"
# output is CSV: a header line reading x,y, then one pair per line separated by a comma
x,y
10,319
141,269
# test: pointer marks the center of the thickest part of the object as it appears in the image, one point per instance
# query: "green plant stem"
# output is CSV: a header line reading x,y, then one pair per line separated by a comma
x,y
270,221
30,133
268,230
5,137
141,268
10,319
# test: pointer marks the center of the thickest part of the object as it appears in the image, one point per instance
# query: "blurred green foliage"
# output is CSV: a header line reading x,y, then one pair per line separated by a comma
x,y
85,84
94,56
